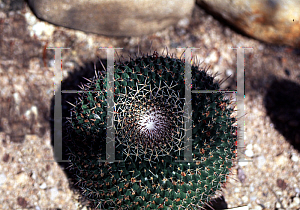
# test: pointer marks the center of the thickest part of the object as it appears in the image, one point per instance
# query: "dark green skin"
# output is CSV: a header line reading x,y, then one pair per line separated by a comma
x,y
168,184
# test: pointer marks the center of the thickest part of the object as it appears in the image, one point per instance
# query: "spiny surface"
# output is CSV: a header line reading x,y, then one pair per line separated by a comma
x,y
150,132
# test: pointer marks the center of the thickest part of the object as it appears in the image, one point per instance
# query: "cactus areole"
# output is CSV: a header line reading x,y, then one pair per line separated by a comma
x,y
149,99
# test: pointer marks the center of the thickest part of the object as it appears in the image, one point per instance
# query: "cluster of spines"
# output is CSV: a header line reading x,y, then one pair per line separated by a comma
x,y
177,184
135,132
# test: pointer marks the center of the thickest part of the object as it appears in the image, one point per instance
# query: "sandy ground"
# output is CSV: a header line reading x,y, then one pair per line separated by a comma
x,y
29,178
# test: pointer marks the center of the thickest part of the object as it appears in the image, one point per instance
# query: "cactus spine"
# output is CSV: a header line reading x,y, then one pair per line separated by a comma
x,y
149,127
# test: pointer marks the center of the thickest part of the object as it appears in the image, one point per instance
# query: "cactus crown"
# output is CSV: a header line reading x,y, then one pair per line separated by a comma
x,y
149,136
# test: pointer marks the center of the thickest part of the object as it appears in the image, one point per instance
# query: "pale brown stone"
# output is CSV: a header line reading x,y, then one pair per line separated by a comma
x,y
113,17
276,22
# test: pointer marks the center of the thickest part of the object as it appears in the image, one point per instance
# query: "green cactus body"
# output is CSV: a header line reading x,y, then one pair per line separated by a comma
x,y
149,129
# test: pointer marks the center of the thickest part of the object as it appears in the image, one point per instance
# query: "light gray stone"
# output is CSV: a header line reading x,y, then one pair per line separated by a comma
x,y
113,17
272,21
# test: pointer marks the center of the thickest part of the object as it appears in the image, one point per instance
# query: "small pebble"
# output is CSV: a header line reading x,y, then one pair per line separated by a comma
x,y
2,179
243,163
43,186
295,158
278,205
184,22
257,148
17,98
281,184
261,160
22,202
69,64
258,207
249,153
21,178
285,203
41,28
53,193
296,201
33,176
51,63
241,175
249,146
281,160
245,199
229,72
212,57
30,19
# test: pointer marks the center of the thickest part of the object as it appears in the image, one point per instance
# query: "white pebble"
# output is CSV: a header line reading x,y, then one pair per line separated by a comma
x,y
30,19
53,193
245,199
183,22
33,176
229,72
294,158
257,148
32,110
249,153
21,178
17,98
243,163
41,28
43,186
2,179
52,63
296,201
212,57
277,205
261,161
258,208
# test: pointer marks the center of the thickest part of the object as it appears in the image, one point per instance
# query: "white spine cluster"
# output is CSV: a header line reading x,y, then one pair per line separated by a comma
x,y
149,122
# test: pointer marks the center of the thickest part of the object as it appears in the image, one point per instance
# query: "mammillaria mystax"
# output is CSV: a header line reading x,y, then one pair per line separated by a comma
x,y
149,124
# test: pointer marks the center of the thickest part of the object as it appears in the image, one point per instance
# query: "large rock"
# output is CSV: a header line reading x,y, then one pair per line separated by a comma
x,y
113,17
273,21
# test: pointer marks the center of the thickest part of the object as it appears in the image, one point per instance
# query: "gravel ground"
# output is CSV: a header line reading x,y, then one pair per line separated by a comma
x,y
30,179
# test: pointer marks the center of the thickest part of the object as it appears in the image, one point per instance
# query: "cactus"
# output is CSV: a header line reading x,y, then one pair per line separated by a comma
x,y
149,137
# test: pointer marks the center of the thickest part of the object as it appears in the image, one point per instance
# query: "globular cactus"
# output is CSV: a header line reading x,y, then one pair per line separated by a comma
x,y
149,137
